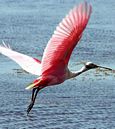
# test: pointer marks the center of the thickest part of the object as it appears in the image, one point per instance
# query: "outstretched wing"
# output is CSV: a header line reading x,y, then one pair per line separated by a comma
x,y
66,37
28,63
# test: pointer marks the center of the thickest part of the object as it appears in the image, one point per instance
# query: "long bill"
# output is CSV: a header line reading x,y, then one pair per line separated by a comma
x,y
106,68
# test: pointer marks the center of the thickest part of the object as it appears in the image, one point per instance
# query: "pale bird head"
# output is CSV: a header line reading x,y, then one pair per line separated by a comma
x,y
90,65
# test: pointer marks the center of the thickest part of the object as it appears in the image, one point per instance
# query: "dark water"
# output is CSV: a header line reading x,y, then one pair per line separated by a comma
x,y
87,102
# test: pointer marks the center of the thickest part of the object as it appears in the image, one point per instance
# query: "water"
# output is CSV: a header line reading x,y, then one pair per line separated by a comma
x,y
86,102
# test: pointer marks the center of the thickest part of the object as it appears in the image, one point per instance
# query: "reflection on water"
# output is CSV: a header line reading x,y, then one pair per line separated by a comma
x,y
86,102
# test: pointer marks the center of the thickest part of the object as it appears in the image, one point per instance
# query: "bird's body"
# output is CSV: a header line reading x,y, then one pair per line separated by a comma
x,y
53,68
54,78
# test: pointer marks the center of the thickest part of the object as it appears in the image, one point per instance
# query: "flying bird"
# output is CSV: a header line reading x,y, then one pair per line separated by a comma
x,y
53,68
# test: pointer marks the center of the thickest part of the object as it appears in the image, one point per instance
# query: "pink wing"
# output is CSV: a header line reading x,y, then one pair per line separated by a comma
x,y
29,64
66,37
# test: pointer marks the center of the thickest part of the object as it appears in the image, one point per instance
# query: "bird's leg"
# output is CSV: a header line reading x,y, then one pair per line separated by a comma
x,y
34,94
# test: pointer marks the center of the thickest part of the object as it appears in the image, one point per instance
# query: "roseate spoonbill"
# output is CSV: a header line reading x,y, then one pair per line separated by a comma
x,y
53,69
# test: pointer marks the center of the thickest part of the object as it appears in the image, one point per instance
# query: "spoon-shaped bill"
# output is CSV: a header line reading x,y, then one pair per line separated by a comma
x,y
106,68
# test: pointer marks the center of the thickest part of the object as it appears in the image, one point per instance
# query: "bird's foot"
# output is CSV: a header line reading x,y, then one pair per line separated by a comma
x,y
30,107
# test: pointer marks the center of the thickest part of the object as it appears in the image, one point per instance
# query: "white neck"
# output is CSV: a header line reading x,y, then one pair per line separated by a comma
x,y
72,75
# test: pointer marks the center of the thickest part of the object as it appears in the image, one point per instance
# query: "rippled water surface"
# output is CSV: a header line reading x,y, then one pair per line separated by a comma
x,y
86,102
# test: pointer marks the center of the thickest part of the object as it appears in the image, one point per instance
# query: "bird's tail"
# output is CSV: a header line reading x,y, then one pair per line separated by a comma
x,y
34,84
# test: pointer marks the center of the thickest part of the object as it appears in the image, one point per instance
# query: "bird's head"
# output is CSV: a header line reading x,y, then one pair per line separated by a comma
x,y
90,65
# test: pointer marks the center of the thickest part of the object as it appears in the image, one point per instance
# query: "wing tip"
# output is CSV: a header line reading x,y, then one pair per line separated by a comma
x,y
4,45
